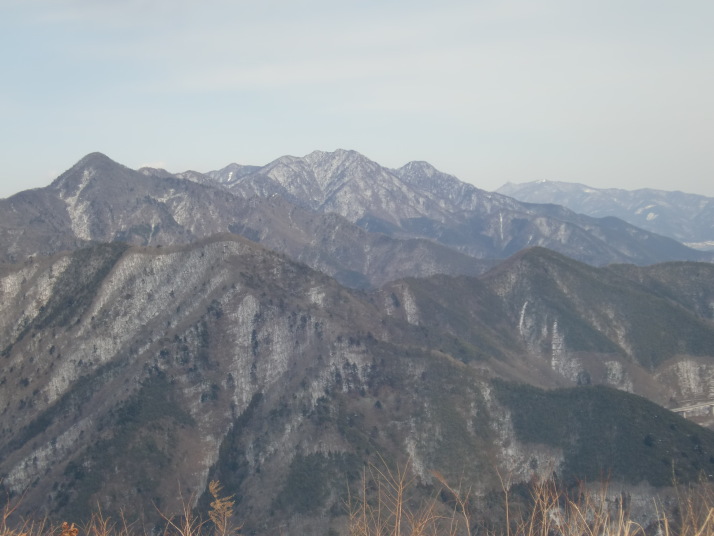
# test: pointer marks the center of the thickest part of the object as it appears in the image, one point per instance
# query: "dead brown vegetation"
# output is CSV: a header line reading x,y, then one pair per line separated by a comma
x,y
387,503
385,507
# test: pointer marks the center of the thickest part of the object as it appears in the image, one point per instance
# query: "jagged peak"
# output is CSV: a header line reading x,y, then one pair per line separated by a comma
x,y
232,172
423,175
419,165
349,156
337,157
337,153
284,160
233,166
419,170
155,172
323,168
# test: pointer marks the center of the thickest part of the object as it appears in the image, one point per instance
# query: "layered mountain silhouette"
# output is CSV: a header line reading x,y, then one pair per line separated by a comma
x,y
100,200
418,200
688,218
277,327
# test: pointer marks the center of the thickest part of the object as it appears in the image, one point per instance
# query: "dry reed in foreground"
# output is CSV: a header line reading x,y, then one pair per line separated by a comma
x,y
387,505
219,523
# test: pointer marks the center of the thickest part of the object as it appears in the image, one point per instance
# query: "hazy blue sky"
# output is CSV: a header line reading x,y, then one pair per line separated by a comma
x,y
607,93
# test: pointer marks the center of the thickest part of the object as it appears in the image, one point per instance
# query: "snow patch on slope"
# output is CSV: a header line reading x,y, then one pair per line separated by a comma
x,y
77,208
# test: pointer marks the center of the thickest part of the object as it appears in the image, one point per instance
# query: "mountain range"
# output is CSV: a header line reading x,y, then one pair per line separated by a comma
x,y
688,218
277,327
417,200
300,205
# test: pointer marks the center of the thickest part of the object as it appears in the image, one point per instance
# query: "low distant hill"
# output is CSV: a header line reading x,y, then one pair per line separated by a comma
x,y
688,218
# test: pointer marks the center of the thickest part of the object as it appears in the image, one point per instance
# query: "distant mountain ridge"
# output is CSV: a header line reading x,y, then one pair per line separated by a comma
x,y
688,218
99,200
417,200
339,212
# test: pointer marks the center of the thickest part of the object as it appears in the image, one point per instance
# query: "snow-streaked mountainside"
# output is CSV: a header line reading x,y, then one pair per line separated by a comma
x,y
277,328
99,200
344,182
688,218
232,173
133,374
339,212
359,189
417,200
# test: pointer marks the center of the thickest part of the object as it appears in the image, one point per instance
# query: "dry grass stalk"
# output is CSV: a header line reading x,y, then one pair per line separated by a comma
x,y
7,511
555,513
695,513
25,527
221,511
187,524
101,525
461,502
505,487
385,507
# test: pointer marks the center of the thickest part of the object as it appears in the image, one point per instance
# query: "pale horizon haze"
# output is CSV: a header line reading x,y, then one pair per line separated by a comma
x,y
608,94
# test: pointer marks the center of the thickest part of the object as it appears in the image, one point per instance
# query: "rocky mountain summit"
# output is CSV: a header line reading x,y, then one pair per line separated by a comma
x,y
419,201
